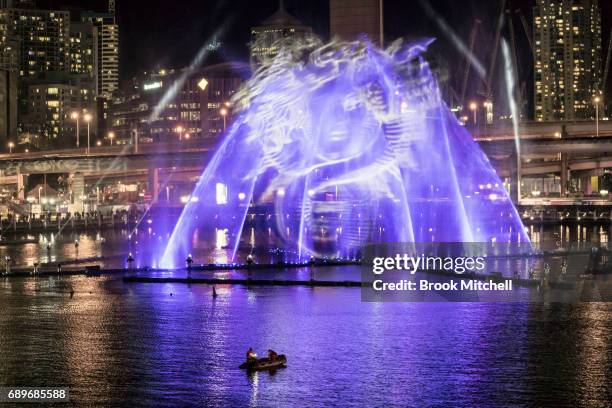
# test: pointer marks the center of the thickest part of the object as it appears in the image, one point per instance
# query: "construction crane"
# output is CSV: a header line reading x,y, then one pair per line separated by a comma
x,y
500,23
607,66
468,64
526,29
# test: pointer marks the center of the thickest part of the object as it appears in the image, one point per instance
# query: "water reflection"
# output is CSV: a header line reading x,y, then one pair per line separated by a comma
x,y
136,344
111,247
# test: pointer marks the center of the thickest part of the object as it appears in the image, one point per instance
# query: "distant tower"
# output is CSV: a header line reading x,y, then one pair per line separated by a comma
x,y
350,19
111,6
279,26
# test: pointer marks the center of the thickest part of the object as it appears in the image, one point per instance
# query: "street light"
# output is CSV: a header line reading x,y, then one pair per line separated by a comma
x,y
223,112
75,116
474,108
87,118
596,100
111,136
10,146
180,129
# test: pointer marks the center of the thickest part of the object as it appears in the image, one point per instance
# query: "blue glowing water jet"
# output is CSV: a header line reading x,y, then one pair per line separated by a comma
x,y
342,145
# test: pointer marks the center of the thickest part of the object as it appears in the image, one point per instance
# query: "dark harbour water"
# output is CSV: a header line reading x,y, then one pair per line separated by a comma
x,y
119,344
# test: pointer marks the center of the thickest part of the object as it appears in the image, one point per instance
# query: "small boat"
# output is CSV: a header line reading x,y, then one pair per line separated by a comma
x,y
263,364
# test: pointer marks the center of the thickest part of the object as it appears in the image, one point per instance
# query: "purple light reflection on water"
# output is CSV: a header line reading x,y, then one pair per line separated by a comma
x,y
136,344
110,249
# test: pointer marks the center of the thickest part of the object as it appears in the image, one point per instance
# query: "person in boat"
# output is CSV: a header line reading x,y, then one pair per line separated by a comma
x,y
272,355
250,355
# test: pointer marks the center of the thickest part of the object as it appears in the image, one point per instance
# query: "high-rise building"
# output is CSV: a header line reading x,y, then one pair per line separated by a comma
x,y
38,45
83,49
42,38
351,19
107,55
79,59
8,106
270,35
108,50
9,68
567,56
84,63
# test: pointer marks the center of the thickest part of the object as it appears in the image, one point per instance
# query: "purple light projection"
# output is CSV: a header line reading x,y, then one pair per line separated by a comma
x,y
345,144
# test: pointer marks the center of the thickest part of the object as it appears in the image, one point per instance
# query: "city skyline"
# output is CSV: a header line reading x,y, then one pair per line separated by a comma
x,y
87,52
145,47
405,202
180,24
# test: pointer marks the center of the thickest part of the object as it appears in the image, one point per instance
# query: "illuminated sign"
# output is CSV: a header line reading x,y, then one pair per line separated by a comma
x,y
203,84
153,85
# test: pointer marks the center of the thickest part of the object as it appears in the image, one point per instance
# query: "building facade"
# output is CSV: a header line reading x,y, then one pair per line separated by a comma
x,y
42,38
279,29
45,48
9,47
48,121
351,19
17,4
155,111
107,51
83,50
567,57
84,68
107,60
9,70
36,44
8,107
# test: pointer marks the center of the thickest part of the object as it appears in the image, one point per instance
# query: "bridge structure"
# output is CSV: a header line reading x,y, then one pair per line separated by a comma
x,y
153,164
564,152
570,156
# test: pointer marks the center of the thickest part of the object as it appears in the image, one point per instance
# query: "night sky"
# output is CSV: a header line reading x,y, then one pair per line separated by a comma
x,y
156,33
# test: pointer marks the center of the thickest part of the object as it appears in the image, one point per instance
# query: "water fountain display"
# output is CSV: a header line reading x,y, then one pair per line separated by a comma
x,y
342,144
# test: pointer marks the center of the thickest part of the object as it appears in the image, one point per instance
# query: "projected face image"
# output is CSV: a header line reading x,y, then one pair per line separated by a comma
x,y
345,144
342,125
